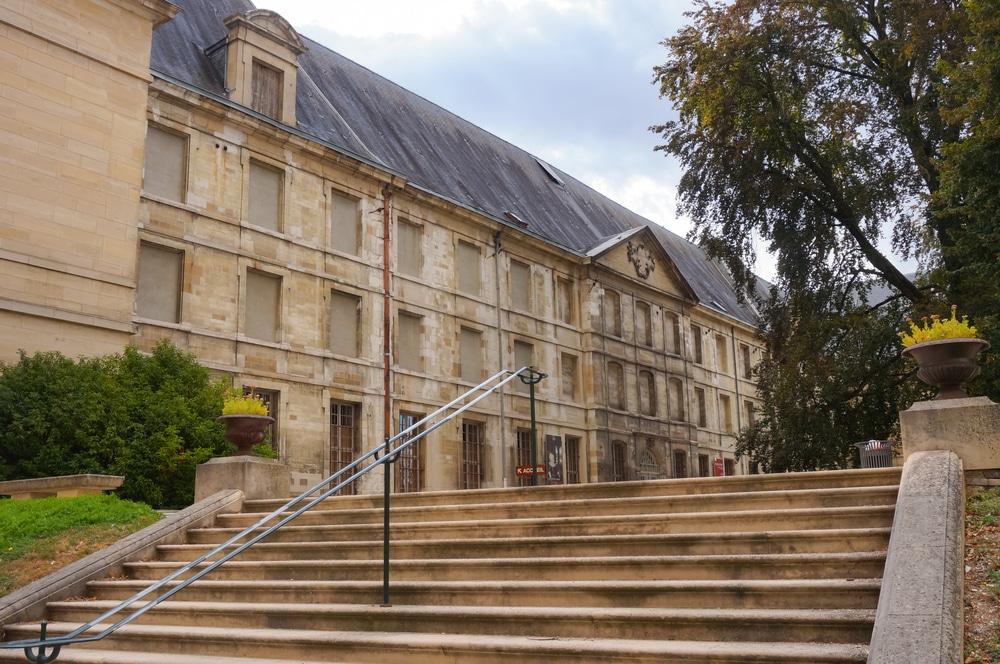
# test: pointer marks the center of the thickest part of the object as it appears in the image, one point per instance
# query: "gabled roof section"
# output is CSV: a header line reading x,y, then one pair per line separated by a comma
x,y
637,253
271,24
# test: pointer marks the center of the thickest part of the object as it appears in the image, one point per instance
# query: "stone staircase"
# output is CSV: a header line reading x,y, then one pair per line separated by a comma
x,y
772,568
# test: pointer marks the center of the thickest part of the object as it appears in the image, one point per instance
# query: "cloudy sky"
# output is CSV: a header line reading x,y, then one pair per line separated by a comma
x,y
569,81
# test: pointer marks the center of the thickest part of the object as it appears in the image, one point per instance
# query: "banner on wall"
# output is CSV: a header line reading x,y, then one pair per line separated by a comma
x,y
554,459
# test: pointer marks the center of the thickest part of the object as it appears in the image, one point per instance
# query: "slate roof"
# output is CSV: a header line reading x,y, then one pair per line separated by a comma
x,y
350,108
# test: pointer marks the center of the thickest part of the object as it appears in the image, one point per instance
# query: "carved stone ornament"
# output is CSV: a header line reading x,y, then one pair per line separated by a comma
x,y
642,259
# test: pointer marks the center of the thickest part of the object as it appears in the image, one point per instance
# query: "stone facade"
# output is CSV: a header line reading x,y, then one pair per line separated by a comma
x,y
138,206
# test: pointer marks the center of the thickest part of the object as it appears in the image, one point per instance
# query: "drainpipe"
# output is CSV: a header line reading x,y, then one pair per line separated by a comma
x,y
386,315
497,246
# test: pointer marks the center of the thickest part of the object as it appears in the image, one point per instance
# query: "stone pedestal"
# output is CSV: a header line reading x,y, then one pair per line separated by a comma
x,y
257,478
968,427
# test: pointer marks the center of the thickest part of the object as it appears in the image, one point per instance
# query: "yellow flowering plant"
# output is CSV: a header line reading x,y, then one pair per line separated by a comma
x,y
243,404
934,328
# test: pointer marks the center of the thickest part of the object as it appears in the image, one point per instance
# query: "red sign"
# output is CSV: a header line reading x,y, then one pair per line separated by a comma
x,y
719,467
525,471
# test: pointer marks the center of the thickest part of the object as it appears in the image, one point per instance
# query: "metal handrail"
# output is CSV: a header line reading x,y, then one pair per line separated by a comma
x,y
388,454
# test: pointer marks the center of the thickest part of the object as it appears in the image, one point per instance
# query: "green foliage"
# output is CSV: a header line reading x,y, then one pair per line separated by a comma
x,y
150,418
24,522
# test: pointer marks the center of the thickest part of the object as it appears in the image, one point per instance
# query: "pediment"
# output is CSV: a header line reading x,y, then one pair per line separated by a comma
x,y
638,256
271,24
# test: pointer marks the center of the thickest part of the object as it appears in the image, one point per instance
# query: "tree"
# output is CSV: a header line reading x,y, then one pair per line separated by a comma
x,y
811,124
150,418
817,125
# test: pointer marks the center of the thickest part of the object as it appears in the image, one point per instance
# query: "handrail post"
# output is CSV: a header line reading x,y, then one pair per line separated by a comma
x,y
386,477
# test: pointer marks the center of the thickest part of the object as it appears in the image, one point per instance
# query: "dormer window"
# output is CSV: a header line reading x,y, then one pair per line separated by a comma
x,y
261,62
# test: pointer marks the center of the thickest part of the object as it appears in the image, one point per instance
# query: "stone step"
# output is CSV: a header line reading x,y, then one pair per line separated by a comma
x,y
339,511
418,648
701,486
794,541
777,566
302,530
812,626
788,594
710,594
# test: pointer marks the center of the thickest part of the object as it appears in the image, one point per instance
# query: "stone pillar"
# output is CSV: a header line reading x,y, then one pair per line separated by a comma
x,y
968,427
257,478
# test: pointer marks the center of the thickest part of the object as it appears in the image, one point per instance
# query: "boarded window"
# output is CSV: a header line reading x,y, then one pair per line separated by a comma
x,y
612,313
569,376
616,386
572,460
748,413
747,363
263,306
265,93
721,353
473,455
520,286
643,324
408,341
564,301
410,467
165,170
676,400
344,437
701,406
345,314
471,344
345,218
159,290
265,197
523,354
726,413
673,330
468,268
647,393
408,248
699,356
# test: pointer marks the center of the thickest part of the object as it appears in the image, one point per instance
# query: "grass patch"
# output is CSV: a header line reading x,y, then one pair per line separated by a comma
x,y
982,577
39,536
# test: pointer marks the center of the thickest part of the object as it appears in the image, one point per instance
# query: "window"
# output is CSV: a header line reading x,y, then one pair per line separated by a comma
x,y
649,466
616,386
471,349
729,467
524,454
564,301
612,313
747,364
699,357
262,312
265,95
699,398
647,393
569,376
721,354
523,354
410,467
726,413
345,314
165,168
520,286
704,468
473,455
675,342
344,438
618,455
676,410
408,341
158,295
572,460
408,253
264,203
643,324
271,399
468,268
345,219
748,413
680,464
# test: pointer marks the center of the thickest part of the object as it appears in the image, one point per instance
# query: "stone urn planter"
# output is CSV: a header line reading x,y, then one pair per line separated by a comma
x,y
947,363
244,431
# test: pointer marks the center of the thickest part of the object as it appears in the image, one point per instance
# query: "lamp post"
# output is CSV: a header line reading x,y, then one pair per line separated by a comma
x,y
531,377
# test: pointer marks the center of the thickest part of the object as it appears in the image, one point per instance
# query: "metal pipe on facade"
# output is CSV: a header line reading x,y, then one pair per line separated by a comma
x,y
386,315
